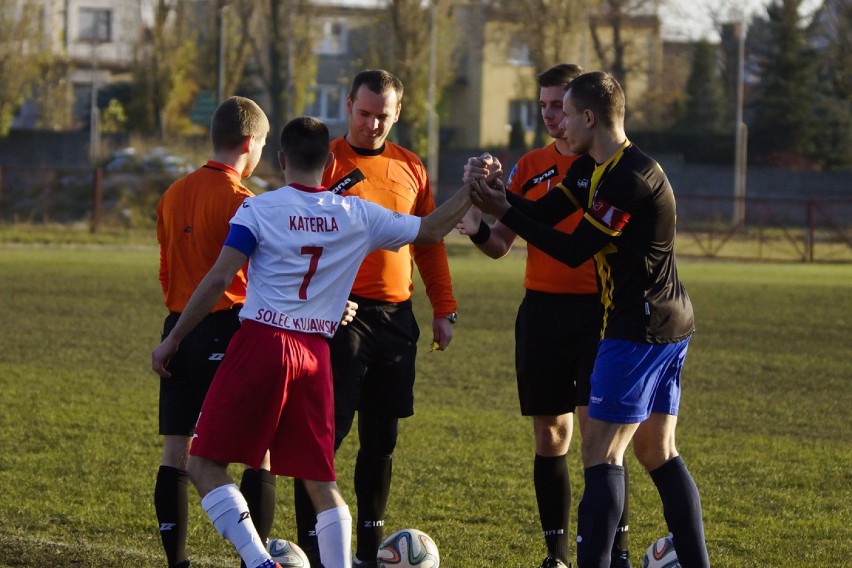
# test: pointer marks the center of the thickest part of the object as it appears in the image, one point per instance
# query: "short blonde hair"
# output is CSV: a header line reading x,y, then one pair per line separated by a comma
x,y
234,119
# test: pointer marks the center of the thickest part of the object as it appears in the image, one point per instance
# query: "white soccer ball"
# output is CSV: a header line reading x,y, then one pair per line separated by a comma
x,y
661,554
287,553
408,548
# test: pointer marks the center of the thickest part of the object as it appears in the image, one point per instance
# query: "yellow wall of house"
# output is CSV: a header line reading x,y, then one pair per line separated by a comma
x,y
478,109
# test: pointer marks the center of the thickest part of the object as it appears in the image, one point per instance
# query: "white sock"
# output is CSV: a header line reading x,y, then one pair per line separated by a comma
x,y
334,533
228,510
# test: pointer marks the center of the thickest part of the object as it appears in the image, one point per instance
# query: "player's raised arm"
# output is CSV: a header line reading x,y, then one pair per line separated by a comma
x,y
443,219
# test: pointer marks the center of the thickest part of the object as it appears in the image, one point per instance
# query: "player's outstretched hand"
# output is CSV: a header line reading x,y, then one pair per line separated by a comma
x,y
349,312
161,356
484,166
469,224
491,198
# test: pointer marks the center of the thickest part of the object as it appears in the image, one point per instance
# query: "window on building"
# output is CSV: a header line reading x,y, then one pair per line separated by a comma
x,y
523,112
328,103
519,52
332,40
95,24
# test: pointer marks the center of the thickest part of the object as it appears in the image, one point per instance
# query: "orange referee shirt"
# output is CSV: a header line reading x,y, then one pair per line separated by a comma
x,y
193,220
534,175
396,179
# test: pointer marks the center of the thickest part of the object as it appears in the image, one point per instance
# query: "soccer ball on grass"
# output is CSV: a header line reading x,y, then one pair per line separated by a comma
x,y
661,554
287,554
408,548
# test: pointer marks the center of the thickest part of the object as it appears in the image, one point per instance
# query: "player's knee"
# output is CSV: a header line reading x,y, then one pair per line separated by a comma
x,y
552,435
324,495
203,474
654,442
378,435
176,451
552,445
652,456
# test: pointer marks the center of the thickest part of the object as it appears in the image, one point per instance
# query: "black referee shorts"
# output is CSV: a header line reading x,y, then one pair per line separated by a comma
x,y
372,360
556,340
192,369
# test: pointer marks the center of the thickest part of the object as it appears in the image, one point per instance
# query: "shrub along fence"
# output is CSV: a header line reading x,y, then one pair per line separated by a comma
x,y
713,226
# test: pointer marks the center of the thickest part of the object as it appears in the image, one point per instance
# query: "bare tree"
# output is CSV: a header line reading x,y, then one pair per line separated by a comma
x,y
166,60
546,26
548,30
224,41
614,17
279,39
831,34
53,94
235,25
551,28
20,42
405,27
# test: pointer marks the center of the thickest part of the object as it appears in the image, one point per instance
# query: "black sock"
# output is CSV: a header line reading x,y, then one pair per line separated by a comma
x,y
372,487
553,495
171,502
682,509
619,547
598,514
258,487
306,523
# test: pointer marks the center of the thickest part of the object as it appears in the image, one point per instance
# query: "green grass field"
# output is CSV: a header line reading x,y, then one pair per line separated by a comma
x,y
765,425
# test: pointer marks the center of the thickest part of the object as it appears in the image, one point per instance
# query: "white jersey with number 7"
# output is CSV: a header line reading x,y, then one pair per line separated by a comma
x,y
310,244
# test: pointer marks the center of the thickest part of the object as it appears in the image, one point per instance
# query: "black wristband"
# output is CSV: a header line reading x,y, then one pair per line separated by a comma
x,y
482,234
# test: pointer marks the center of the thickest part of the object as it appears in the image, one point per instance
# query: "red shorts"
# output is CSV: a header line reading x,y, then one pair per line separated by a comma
x,y
272,391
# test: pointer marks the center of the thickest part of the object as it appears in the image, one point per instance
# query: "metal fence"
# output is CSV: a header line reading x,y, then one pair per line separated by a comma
x,y
709,226
73,195
765,228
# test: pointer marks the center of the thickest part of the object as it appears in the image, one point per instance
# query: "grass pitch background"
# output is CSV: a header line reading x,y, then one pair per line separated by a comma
x,y
764,426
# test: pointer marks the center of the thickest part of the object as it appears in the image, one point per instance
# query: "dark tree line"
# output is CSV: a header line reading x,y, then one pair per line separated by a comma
x,y
798,100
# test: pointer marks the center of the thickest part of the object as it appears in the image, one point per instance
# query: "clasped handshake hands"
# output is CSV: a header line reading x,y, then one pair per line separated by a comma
x,y
488,193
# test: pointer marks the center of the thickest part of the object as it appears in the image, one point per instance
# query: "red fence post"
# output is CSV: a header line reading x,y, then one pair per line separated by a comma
x,y
97,199
810,231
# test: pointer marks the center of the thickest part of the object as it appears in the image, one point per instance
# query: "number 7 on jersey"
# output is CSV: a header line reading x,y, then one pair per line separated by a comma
x,y
315,254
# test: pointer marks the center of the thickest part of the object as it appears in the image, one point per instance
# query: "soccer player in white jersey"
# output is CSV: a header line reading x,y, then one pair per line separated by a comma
x,y
274,388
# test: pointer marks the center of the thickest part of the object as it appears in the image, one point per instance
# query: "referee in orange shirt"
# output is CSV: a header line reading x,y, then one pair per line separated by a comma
x,y
373,357
193,219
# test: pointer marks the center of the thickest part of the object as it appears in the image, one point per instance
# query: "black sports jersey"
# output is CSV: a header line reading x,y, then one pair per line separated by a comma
x,y
629,227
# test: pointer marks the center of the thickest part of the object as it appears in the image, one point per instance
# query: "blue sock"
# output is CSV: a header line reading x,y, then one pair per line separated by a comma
x,y
682,509
598,514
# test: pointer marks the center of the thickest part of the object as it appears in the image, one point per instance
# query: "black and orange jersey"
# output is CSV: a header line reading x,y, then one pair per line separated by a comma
x,y
193,220
396,179
534,175
628,226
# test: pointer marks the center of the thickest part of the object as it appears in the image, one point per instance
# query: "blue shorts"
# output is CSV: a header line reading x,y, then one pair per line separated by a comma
x,y
631,380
